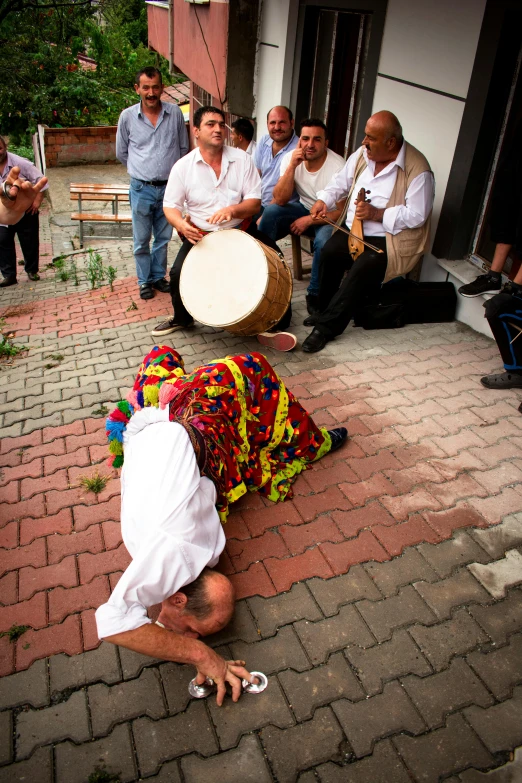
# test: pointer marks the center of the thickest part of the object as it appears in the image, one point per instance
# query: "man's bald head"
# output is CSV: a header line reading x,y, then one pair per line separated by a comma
x,y
202,607
383,137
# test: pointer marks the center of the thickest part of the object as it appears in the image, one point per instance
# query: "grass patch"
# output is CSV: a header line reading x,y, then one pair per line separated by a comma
x,y
95,483
56,357
7,348
132,306
102,776
15,632
101,411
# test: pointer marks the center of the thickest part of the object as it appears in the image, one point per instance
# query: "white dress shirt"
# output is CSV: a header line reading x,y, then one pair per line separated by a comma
x,y
193,185
419,196
251,149
169,521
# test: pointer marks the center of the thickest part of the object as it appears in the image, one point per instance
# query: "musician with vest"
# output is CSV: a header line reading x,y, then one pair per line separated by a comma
x,y
398,184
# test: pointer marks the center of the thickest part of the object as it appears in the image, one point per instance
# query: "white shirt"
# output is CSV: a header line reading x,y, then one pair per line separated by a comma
x,y
250,150
419,196
307,183
169,521
194,183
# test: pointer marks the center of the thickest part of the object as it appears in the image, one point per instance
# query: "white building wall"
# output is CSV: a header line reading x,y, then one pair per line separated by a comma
x,y
431,43
275,57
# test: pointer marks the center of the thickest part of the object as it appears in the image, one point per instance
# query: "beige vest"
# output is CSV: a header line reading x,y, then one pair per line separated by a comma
x,y
405,248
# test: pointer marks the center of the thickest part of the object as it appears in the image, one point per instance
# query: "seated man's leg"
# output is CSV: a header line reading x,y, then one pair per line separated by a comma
x,y
182,317
276,220
504,314
334,261
321,237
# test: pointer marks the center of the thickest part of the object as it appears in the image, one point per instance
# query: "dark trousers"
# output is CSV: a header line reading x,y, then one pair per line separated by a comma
x,y
181,313
502,311
28,233
340,296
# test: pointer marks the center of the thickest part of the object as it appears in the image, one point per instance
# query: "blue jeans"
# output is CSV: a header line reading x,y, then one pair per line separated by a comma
x,y
276,222
148,219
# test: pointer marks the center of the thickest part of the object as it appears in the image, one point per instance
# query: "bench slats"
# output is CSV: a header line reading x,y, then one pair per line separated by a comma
x,y
101,218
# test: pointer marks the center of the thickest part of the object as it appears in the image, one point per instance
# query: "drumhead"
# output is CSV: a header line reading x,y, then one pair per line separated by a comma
x,y
224,278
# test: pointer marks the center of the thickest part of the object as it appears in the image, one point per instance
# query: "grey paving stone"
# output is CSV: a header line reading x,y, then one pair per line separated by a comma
x,y
291,750
499,575
502,618
37,769
113,754
440,694
169,773
442,752
387,661
176,680
281,651
500,726
251,712
500,669
498,538
507,773
331,594
383,766
457,590
377,717
409,567
74,671
453,553
6,737
273,613
27,687
68,720
111,705
320,686
164,740
442,642
244,764
242,628
403,609
333,634
132,662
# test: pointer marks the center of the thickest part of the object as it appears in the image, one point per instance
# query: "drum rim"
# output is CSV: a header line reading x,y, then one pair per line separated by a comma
x,y
257,242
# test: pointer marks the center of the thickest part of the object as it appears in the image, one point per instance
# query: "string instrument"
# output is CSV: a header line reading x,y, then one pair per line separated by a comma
x,y
355,241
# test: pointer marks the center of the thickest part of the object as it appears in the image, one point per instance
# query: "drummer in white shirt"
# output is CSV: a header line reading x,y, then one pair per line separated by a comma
x,y
218,187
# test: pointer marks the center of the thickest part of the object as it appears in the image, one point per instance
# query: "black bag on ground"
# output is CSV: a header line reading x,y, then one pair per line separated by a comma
x,y
403,301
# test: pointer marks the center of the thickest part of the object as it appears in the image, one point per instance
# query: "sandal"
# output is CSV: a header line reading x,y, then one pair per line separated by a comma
x,y
504,380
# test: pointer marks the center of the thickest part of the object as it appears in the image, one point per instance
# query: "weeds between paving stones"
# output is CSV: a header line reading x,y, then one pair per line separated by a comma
x,y
94,483
102,776
101,411
132,306
7,348
15,632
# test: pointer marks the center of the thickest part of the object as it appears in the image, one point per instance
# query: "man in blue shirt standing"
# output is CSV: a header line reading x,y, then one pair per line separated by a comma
x,y
151,137
272,148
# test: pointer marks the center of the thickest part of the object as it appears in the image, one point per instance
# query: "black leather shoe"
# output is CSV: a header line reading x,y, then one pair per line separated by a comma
x,y
338,436
146,291
311,320
315,341
312,304
11,280
33,275
162,286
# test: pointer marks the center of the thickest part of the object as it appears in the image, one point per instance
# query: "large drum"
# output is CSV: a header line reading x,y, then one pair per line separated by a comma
x,y
231,281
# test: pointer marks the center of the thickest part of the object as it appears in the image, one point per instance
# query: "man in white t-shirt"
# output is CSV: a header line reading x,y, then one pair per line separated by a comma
x,y
306,170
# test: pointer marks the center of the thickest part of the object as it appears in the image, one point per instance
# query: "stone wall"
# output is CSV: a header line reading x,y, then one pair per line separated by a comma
x,y
69,146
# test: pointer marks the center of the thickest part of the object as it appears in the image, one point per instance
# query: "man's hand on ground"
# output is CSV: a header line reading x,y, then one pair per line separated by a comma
x,y
300,225
221,672
24,195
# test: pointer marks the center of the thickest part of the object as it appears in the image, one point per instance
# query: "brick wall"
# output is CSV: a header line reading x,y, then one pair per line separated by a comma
x,y
67,146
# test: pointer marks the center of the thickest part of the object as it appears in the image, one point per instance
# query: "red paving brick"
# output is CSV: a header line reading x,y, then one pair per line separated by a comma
x,y
235,527
243,553
376,486
111,534
7,656
36,528
285,573
32,579
64,602
89,540
260,520
62,638
358,550
350,522
445,522
32,613
302,537
9,589
9,535
98,512
312,505
415,531
253,581
104,563
34,554
89,632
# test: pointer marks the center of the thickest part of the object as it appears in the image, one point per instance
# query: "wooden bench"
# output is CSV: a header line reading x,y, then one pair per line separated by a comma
x,y
297,258
88,191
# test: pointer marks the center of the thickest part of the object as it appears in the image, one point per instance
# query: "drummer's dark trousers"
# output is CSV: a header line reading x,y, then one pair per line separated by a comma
x,y
504,313
341,294
181,314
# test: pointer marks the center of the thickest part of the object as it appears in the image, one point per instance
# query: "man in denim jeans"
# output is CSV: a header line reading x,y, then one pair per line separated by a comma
x,y
151,137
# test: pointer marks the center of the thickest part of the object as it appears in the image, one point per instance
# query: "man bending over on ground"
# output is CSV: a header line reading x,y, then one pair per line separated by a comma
x,y
229,427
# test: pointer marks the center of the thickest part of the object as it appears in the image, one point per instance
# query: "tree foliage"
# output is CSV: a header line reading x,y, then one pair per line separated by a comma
x,y
41,79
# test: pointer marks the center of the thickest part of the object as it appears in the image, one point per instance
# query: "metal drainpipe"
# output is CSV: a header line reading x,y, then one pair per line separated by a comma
x,y
171,36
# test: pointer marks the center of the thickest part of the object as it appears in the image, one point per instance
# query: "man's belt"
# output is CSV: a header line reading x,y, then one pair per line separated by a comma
x,y
158,183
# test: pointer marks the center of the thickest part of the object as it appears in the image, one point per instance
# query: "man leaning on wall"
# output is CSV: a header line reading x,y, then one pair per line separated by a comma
x,y
151,137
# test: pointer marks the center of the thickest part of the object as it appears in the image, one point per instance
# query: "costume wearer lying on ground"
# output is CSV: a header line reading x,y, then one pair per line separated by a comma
x,y
191,444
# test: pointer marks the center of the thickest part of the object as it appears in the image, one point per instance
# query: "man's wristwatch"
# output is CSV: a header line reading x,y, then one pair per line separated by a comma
x,y
6,191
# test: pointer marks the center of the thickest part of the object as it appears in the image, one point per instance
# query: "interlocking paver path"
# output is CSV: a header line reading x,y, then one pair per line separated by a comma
x,y
384,601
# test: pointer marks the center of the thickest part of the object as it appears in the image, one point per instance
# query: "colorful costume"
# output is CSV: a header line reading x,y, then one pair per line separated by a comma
x,y
257,436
